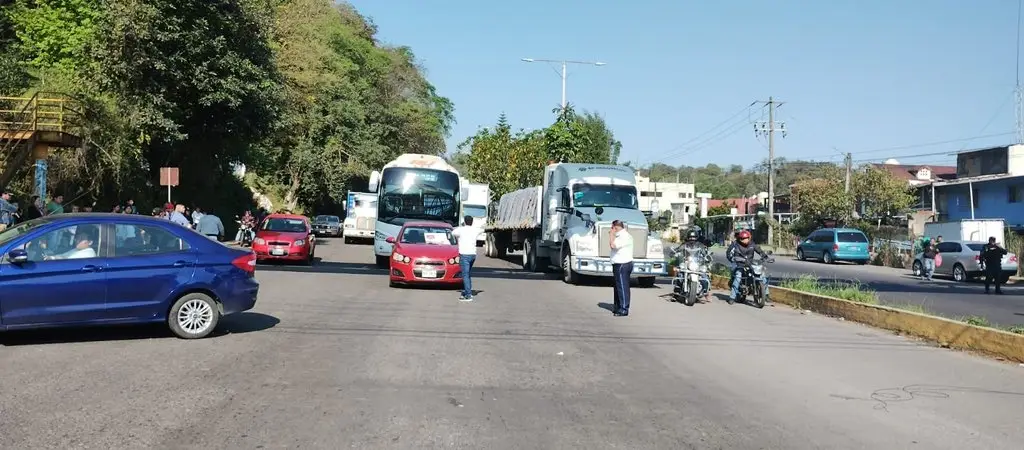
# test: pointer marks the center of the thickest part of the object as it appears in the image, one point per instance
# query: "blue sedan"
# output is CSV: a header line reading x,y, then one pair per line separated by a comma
x,y
100,269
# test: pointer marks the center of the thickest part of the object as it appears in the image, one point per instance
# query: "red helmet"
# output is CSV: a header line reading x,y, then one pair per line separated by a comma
x,y
743,234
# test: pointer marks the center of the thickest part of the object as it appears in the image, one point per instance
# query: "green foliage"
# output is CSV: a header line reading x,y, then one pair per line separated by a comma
x,y
602,140
823,197
851,292
300,91
508,160
882,194
654,222
55,34
721,210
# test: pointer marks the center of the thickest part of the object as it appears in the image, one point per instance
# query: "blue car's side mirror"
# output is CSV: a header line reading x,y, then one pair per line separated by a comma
x,y
17,256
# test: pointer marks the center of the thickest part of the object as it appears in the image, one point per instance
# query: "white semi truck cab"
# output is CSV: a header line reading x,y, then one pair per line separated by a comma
x,y
565,223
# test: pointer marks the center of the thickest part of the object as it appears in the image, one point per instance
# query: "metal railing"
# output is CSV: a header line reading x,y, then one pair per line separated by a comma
x,y
22,117
43,111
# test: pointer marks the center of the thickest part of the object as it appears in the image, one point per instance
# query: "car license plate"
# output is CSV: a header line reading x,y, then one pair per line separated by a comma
x,y
429,273
277,252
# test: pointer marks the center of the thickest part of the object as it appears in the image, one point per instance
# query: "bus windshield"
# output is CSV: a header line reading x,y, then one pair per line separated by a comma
x,y
606,195
418,194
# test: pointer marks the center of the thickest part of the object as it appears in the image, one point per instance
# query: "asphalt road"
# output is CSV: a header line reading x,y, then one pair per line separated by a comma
x,y
333,358
899,287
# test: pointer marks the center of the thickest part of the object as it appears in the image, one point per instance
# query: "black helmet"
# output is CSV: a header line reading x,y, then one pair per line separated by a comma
x,y
691,235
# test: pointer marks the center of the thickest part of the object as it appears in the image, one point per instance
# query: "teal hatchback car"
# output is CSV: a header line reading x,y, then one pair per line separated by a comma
x,y
835,244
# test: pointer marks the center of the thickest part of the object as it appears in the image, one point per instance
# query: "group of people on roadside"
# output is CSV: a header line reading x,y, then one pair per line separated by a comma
x,y
990,257
205,223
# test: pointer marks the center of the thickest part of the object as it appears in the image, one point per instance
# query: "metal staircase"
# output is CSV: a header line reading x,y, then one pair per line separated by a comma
x,y
46,118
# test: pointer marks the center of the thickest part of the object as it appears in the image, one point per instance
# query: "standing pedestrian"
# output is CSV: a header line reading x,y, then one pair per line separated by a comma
x,y
992,256
7,210
178,216
928,254
467,236
210,226
621,243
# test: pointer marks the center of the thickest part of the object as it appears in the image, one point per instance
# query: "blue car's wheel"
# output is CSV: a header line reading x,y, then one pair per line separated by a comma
x,y
193,316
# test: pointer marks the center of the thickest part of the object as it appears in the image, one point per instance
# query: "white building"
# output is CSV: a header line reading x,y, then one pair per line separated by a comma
x,y
680,198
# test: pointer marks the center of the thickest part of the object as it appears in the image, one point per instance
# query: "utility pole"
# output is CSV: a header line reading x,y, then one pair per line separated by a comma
x,y
769,129
849,170
565,70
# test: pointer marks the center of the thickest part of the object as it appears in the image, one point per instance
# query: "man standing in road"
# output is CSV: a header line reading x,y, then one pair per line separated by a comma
x,y
928,254
210,226
467,236
178,216
621,243
992,256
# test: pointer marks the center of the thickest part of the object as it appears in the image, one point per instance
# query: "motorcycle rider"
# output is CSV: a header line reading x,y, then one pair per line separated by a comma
x,y
693,246
245,229
741,251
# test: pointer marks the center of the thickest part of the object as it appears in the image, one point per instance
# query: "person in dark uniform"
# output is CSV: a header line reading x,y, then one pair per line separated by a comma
x,y
992,256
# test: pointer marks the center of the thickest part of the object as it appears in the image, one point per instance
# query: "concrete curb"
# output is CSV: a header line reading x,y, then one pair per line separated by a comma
x,y
947,333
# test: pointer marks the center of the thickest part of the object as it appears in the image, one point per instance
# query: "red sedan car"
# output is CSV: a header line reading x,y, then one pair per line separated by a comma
x,y
285,237
425,253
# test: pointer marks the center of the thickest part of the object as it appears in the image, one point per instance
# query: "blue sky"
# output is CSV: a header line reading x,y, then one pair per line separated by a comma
x,y
861,76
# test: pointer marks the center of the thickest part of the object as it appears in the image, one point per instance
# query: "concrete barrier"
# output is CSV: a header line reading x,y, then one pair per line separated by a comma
x,y
945,332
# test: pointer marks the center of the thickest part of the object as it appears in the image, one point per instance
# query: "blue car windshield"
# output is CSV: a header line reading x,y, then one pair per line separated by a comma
x,y
20,229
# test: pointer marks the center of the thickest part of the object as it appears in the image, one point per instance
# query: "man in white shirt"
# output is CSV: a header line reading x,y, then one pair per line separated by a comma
x,y
467,236
621,243
84,238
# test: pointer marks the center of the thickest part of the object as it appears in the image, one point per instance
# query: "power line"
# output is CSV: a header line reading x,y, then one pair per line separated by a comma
x,y
732,130
687,144
927,144
921,155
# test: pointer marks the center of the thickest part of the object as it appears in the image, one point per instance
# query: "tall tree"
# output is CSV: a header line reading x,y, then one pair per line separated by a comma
x,y
881,193
567,140
603,145
823,198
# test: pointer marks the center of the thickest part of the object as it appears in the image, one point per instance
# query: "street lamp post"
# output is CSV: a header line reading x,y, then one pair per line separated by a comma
x,y
565,72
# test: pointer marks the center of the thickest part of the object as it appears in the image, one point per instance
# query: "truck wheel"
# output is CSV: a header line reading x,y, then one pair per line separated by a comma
x,y
568,275
489,246
500,247
383,262
529,256
646,282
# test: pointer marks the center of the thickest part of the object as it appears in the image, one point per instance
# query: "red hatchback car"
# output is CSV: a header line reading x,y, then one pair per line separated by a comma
x,y
285,237
425,253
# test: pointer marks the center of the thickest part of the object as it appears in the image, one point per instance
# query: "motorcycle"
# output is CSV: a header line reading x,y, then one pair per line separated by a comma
x,y
693,276
247,233
751,273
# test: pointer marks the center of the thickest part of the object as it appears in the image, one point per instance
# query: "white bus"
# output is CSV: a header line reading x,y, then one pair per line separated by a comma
x,y
413,187
360,216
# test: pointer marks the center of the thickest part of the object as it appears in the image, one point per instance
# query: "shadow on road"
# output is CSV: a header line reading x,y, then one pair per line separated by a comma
x,y
371,269
246,322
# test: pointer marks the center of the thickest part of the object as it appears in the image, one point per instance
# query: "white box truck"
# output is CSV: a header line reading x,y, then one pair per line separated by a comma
x,y
973,230
478,199
564,224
